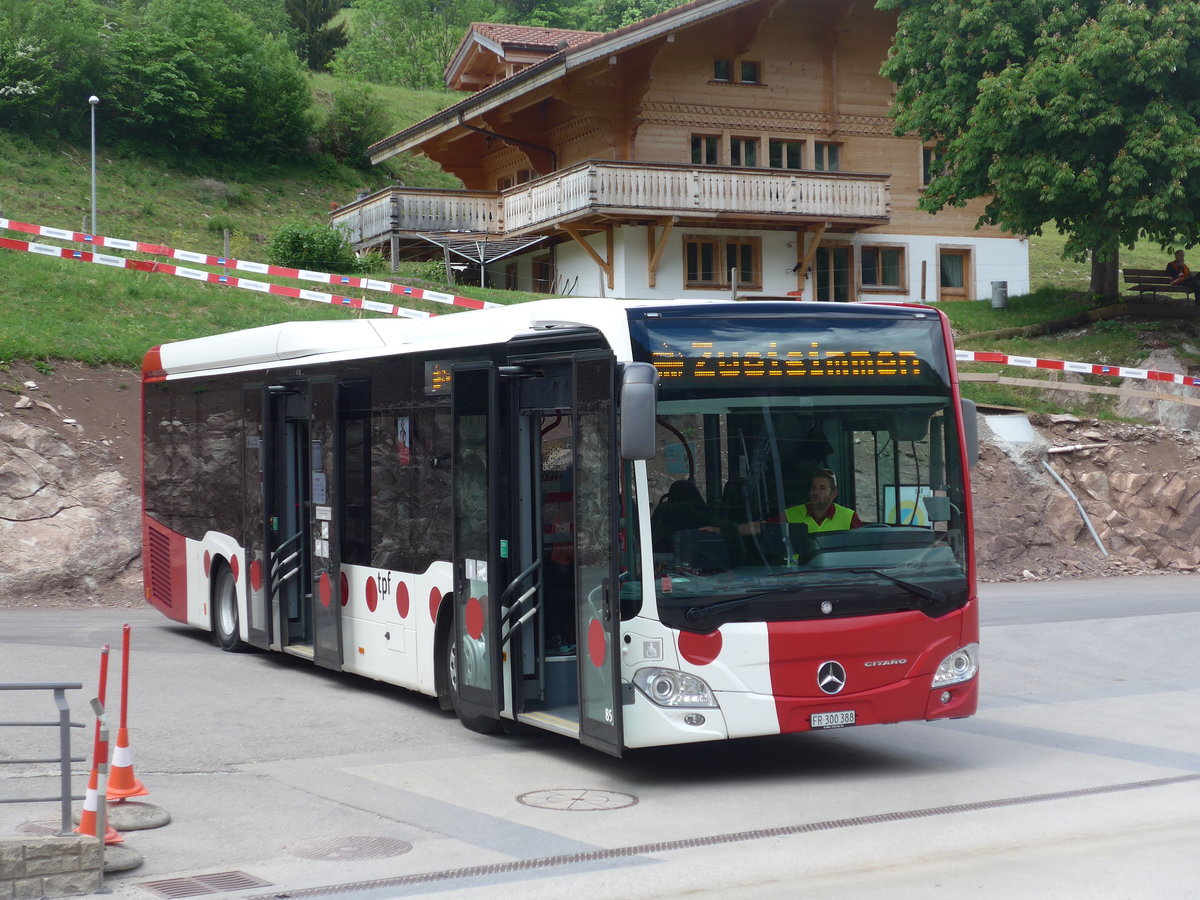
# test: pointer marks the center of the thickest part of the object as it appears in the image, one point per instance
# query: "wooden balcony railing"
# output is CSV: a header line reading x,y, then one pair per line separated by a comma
x,y
634,188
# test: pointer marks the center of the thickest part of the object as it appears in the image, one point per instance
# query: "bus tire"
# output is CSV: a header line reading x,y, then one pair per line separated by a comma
x,y
225,625
480,724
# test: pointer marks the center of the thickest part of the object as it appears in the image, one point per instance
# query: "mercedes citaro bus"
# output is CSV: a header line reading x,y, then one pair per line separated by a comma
x,y
581,515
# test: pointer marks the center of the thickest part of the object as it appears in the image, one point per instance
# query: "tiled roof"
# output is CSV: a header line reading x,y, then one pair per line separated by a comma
x,y
533,36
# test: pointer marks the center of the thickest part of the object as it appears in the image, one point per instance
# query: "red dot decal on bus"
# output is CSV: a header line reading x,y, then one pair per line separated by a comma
x,y
699,649
402,600
372,594
597,644
345,583
325,590
256,575
474,614
233,564
207,562
435,600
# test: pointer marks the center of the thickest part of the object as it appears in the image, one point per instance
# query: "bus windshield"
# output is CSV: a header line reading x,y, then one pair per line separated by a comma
x,y
834,492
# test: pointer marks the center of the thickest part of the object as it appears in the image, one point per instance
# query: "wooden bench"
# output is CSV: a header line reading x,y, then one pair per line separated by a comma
x,y
1154,281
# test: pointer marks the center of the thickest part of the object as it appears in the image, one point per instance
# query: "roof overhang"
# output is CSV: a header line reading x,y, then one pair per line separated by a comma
x,y
551,70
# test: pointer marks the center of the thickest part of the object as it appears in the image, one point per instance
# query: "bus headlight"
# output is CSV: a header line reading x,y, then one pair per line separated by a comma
x,y
667,687
959,666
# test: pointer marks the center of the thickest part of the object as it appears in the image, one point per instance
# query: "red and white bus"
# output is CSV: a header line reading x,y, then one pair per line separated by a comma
x,y
571,514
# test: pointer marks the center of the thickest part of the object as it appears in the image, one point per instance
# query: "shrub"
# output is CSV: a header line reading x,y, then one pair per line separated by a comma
x,y
356,120
320,248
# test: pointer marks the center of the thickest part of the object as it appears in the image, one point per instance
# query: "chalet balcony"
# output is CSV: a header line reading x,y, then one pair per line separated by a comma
x,y
608,191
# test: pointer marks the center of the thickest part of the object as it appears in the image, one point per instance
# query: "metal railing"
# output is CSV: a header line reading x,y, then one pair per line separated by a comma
x,y
64,758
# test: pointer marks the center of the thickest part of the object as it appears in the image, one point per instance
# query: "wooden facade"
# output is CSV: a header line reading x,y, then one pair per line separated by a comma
x,y
724,144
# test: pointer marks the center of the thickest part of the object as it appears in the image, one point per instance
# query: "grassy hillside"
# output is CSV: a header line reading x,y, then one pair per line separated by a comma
x,y
66,309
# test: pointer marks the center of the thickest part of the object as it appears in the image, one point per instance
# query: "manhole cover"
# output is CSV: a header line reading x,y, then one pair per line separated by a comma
x,y
577,799
338,848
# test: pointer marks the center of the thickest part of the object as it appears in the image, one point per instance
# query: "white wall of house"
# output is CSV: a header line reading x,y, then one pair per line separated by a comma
x,y
990,259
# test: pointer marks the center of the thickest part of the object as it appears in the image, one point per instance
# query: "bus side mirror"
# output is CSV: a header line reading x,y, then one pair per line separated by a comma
x,y
970,430
639,393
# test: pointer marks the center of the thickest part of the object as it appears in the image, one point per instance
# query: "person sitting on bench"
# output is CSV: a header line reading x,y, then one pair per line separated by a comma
x,y
1183,276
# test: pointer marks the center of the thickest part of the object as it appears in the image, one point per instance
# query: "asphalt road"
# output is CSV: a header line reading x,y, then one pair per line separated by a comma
x,y
1079,777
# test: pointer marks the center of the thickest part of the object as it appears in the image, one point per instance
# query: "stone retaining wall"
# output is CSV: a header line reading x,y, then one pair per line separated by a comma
x,y
35,867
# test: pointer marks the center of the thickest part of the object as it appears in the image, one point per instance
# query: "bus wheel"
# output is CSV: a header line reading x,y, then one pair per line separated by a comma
x,y
481,724
225,611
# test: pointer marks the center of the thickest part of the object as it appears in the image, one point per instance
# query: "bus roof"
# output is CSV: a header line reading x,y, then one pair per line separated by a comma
x,y
258,348
272,344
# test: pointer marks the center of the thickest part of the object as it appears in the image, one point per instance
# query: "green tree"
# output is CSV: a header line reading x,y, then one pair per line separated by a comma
x,y
357,119
406,42
50,62
197,76
1083,115
318,39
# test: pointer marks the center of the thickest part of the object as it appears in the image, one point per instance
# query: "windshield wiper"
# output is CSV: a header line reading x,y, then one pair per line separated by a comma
x,y
918,590
696,613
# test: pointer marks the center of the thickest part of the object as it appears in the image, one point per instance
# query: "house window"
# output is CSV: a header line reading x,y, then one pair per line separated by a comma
x,y
743,151
709,260
883,267
523,176
543,274
929,165
826,157
512,273
954,274
785,154
739,71
705,150
833,273
742,255
503,184
700,261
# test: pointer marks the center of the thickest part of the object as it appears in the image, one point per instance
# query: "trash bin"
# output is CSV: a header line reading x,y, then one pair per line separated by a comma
x,y
999,295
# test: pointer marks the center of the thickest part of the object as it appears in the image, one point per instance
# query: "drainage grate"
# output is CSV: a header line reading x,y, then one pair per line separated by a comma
x,y
577,799
340,848
524,865
199,885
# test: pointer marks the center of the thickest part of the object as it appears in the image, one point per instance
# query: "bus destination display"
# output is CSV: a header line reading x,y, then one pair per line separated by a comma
x,y
700,360
438,377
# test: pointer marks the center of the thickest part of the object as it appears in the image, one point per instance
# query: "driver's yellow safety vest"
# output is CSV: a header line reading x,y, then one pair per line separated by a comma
x,y
840,520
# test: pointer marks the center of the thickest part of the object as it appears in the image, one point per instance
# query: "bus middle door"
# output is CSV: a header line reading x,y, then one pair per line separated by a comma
x,y
478,553
301,580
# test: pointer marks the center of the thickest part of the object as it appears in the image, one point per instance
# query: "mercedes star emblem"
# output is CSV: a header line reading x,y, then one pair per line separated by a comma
x,y
831,677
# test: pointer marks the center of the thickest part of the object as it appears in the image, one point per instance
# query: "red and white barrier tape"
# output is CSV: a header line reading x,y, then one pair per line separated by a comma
x,y
1031,362
120,262
243,265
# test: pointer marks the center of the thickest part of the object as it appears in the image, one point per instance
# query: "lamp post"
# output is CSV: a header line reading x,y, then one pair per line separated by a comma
x,y
92,101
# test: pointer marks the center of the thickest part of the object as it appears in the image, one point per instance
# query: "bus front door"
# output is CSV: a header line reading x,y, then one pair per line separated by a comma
x,y
597,588
566,662
474,662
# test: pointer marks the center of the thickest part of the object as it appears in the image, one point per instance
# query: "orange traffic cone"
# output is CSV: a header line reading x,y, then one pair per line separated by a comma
x,y
122,783
87,817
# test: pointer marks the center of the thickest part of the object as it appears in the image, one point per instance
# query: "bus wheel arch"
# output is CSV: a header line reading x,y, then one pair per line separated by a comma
x,y
223,607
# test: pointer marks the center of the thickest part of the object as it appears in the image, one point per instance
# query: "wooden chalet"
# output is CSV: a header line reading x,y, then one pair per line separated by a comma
x,y
724,146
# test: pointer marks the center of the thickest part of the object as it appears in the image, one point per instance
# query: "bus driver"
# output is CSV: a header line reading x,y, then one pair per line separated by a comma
x,y
820,513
